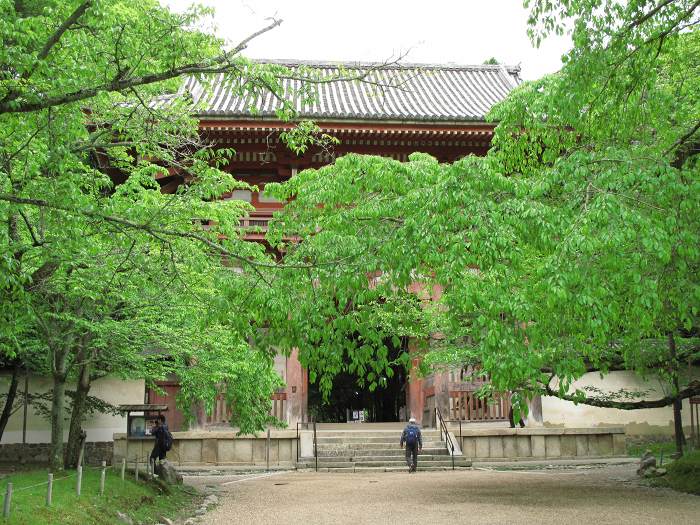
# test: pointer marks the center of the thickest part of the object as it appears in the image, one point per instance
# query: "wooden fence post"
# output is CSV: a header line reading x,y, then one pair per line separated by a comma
x,y
136,471
102,478
79,482
81,453
49,490
123,467
8,499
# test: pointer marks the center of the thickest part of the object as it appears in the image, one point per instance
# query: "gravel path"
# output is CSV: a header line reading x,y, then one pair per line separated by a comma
x,y
608,495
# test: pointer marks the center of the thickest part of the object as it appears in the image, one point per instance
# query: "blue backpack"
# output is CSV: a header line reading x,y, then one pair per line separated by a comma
x,y
411,435
168,440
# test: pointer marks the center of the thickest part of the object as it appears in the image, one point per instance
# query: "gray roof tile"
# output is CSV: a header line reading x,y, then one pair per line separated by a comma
x,y
413,92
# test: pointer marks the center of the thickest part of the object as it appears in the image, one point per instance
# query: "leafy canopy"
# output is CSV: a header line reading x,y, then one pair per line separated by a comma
x,y
571,247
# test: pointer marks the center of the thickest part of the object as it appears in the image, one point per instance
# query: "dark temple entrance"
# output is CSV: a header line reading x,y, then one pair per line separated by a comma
x,y
385,404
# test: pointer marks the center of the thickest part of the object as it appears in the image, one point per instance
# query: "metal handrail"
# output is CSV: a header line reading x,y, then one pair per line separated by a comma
x,y
448,440
315,446
456,421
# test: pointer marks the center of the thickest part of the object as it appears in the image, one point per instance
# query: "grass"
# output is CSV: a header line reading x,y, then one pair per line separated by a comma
x,y
143,501
683,474
661,449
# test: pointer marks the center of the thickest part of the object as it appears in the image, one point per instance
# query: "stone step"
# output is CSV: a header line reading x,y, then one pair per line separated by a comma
x,y
459,462
421,457
372,441
389,458
438,451
377,451
403,468
364,434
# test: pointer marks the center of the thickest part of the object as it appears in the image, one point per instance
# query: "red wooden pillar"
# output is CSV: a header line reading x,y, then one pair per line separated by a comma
x,y
297,389
415,397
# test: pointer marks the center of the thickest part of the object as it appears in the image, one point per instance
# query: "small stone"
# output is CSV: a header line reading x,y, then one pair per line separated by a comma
x,y
124,518
200,512
166,521
650,473
660,471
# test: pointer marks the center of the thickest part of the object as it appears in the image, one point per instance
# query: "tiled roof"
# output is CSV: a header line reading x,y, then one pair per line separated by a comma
x,y
405,92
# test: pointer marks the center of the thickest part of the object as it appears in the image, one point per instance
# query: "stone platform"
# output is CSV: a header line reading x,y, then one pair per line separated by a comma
x,y
354,447
513,444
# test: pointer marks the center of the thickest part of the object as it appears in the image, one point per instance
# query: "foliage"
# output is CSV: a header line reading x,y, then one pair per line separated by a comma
x,y
334,300
684,473
100,271
662,450
29,499
572,247
40,404
240,375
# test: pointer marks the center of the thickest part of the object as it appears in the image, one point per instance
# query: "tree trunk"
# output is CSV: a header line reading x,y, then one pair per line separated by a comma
x,y
57,403
677,402
9,401
75,441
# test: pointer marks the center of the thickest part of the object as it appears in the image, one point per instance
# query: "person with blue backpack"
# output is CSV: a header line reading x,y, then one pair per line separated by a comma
x,y
411,437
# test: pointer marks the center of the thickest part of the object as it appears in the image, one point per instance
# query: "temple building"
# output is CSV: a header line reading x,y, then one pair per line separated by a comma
x,y
395,111
437,109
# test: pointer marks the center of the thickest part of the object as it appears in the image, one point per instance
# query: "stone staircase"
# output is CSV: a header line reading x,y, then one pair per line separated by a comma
x,y
377,451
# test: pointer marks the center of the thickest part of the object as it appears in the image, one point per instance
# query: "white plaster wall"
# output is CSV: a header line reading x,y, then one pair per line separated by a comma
x,y
100,427
652,421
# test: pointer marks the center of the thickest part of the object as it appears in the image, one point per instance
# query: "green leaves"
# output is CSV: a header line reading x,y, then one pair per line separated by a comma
x,y
569,248
107,185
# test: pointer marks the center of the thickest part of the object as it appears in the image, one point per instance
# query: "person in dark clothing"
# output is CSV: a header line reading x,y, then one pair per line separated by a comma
x,y
160,433
411,437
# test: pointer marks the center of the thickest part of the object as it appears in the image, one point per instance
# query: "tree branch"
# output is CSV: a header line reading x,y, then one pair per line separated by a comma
x,y
157,232
220,64
684,150
639,21
48,46
56,36
693,389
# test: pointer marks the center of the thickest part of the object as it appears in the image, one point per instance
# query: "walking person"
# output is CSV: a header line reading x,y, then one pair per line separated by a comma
x,y
411,437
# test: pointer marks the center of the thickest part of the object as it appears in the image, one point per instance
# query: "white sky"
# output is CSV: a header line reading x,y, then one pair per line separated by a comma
x,y
432,31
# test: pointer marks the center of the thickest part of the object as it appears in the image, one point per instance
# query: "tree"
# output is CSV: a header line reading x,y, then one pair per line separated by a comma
x,y
572,246
90,89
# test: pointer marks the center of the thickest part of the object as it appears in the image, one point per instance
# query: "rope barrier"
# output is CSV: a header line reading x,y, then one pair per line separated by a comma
x,y
44,483
143,459
10,490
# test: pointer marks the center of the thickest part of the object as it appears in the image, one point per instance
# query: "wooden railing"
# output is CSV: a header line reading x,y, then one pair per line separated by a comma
x,y
256,219
465,405
221,414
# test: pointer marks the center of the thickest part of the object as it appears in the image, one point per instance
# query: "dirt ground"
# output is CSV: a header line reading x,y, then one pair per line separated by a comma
x,y
591,496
